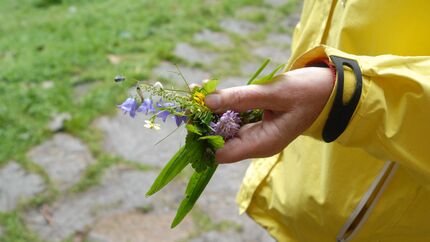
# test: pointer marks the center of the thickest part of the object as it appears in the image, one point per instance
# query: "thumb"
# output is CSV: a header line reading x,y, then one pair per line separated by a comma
x,y
254,141
240,99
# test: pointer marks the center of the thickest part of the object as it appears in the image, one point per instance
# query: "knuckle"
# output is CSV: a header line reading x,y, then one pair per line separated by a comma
x,y
235,97
249,96
239,96
260,93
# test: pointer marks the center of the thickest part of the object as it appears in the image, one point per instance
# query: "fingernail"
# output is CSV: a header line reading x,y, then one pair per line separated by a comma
x,y
218,156
213,101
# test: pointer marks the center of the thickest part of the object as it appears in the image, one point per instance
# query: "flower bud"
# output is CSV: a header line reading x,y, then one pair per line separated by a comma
x,y
158,85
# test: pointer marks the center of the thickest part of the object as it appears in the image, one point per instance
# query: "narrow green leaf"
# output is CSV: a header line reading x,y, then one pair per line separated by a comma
x,y
268,78
210,86
193,129
188,153
196,186
265,63
173,167
216,141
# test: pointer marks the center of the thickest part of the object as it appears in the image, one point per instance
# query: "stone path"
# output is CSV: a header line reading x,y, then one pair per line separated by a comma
x,y
64,158
16,185
128,138
116,210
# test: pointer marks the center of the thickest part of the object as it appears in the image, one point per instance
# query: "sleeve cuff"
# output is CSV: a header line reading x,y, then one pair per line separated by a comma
x,y
319,56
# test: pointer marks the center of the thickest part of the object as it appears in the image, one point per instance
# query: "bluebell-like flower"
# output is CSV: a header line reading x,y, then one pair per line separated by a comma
x,y
161,104
180,119
129,106
163,115
228,125
146,106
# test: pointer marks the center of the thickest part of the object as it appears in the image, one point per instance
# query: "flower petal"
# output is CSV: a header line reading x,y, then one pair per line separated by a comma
x,y
129,106
163,115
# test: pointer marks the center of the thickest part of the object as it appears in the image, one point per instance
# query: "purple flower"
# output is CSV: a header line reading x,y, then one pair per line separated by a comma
x,y
146,106
179,119
228,125
160,104
163,115
129,106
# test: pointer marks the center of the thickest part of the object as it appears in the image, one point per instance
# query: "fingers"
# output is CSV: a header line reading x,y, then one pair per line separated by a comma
x,y
254,141
240,99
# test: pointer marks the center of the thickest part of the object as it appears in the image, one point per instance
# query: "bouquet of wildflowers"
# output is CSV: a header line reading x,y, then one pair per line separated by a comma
x,y
206,131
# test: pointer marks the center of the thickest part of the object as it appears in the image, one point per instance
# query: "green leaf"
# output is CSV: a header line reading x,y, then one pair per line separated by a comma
x,y
252,116
216,141
210,86
265,63
173,168
268,78
206,118
190,152
193,129
196,186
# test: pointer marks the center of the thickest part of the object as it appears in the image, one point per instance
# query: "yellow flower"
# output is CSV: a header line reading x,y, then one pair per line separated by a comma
x,y
199,98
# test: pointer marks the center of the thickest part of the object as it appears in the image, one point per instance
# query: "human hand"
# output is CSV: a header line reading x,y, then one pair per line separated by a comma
x,y
291,103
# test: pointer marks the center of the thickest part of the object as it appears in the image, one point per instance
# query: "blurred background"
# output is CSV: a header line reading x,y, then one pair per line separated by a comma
x,y
72,168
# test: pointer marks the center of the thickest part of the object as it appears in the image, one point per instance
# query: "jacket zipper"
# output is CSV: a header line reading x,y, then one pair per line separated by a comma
x,y
366,204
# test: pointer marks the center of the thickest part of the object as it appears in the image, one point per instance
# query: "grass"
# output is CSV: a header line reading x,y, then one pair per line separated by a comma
x,y
203,223
52,49
69,44
15,230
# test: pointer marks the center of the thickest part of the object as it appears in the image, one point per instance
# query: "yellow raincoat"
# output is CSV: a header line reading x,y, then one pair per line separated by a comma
x,y
348,190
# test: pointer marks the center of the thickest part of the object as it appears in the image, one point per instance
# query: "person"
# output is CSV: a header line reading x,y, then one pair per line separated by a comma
x,y
342,147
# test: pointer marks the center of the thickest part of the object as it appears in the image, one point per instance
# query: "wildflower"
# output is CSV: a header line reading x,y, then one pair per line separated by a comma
x,y
199,98
129,106
149,124
164,113
179,119
146,106
228,125
158,85
160,104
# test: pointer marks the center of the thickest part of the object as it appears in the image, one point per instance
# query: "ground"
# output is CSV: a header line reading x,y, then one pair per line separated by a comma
x,y
72,168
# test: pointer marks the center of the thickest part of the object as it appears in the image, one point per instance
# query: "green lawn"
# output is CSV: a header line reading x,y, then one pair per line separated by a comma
x,y
68,45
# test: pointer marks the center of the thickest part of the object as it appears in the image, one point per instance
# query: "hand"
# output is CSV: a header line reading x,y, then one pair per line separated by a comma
x,y
291,103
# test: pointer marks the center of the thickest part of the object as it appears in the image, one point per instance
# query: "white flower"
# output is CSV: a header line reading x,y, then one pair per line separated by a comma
x,y
158,85
151,125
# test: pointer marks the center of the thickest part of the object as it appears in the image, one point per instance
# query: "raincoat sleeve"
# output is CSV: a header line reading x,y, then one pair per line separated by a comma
x,y
391,120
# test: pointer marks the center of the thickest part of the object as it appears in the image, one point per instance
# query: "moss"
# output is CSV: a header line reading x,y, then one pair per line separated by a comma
x,y
15,229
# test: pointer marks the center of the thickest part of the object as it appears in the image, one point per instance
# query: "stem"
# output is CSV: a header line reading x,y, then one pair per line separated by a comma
x,y
183,78
167,136
175,90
